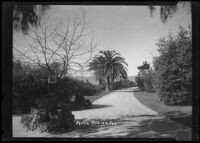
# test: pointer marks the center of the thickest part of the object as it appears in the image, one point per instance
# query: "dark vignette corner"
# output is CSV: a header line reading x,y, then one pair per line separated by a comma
x,y
6,71
195,61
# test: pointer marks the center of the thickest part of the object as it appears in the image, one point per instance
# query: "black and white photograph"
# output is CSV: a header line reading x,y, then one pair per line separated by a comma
x,y
102,71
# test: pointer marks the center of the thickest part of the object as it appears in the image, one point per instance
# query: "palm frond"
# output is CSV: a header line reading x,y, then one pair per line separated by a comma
x,y
108,64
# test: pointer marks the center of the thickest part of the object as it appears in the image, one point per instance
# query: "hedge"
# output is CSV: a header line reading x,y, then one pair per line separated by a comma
x,y
31,90
173,69
122,84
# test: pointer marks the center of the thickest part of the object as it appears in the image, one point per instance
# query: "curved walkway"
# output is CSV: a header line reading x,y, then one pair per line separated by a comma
x,y
119,103
120,114
130,118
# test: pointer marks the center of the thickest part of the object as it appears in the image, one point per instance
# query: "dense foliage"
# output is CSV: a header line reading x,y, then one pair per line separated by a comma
x,y
144,79
38,120
148,79
68,88
173,68
139,80
51,112
122,84
30,88
27,86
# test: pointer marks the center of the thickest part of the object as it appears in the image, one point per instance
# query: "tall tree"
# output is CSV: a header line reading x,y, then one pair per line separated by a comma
x,y
59,49
108,66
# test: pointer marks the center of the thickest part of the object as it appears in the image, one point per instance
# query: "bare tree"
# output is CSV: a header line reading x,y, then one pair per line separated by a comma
x,y
61,49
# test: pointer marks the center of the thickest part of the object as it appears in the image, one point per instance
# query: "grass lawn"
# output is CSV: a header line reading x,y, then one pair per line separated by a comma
x,y
181,114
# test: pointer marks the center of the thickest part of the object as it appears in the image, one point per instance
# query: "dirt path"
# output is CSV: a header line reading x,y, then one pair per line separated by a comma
x,y
115,105
120,114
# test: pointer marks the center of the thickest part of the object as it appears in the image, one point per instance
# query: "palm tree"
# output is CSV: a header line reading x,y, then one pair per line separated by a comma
x,y
109,66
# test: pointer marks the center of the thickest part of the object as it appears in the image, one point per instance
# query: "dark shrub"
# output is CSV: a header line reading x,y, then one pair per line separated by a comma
x,y
27,85
139,81
173,69
68,87
88,88
32,89
65,89
25,92
81,102
38,120
51,113
102,86
122,84
148,81
33,120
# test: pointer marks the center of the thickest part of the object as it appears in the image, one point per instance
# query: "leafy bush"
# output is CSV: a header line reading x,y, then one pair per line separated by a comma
x,y
102,86
122,84
87,89
27,86
38,120
30,88
148,81
72,87
173,69
51,113
34,120
139,81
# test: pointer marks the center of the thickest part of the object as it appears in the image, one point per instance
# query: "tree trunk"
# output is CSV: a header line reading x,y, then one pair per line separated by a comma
x,y
100,82
108,84
52,105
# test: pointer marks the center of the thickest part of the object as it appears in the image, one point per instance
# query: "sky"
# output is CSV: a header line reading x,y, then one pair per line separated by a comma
x,y
129,30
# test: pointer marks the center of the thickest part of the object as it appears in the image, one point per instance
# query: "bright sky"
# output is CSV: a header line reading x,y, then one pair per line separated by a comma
x,y
129,30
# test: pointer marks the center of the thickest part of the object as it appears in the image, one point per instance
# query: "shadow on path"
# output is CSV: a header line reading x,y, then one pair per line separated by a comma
x,y
131,127
93,106
160,128
124,90
180,117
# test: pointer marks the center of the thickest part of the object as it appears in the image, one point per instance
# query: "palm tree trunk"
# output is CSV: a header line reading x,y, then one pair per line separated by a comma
x,y
108,84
